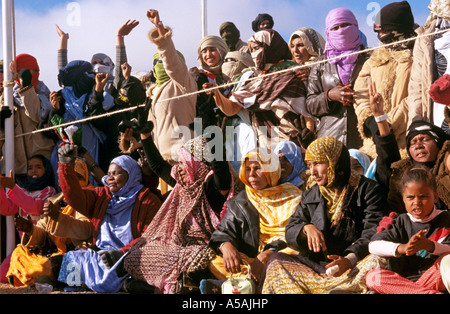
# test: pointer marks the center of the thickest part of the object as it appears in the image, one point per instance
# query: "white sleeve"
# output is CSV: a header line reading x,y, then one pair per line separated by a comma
x,y
383,248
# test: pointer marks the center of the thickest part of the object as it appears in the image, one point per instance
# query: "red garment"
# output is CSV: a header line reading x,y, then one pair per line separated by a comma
x,y
440,90
385,281
92,202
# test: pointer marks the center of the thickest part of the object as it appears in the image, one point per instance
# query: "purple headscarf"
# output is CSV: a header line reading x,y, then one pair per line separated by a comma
x,y
342,41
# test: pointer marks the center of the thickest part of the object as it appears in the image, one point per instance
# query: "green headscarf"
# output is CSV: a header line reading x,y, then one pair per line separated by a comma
x,y
233,37
158,69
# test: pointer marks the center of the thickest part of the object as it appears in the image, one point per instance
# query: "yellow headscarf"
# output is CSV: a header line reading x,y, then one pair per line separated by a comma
x,y
276,203
328,149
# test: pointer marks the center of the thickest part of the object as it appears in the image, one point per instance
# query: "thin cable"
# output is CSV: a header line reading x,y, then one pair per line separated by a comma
x,y
234,83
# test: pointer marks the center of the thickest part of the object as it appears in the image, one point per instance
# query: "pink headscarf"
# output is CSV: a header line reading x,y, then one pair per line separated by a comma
x,y
342,41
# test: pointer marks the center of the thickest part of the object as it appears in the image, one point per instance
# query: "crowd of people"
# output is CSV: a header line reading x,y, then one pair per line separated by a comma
x,y
335,177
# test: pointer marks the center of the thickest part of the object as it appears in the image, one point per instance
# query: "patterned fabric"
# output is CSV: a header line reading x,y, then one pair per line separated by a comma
x,y
286,274
198,147
179,232
276,203
385,281
275,100
328,149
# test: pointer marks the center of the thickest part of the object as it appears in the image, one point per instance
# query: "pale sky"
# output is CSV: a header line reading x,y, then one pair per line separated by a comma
x,y
92,25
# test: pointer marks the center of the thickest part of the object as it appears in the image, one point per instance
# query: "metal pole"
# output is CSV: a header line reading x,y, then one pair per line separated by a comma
x,y
204,18
8,101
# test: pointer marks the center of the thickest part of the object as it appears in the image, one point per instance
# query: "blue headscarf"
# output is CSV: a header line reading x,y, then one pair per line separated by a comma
x,y
115,229
293,153
362,158
76,74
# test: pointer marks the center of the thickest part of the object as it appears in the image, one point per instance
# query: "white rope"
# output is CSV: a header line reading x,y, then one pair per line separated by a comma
x,y
295,68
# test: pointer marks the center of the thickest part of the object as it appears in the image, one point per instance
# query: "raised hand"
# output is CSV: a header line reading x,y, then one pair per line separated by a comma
x,y
126,70
67,153
153,17
127,27
61,34
55,99
7,182
100,81
375,101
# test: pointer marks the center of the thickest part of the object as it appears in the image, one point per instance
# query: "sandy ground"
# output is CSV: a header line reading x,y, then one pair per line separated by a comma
x,y
8,289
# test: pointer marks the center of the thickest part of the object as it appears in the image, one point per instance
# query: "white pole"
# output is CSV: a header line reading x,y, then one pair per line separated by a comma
x,y
9,123
204,18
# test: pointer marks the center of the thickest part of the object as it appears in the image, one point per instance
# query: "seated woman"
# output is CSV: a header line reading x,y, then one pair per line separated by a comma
x,y
44,244
293,168
331,228
253,228
175,246
28,199
120,211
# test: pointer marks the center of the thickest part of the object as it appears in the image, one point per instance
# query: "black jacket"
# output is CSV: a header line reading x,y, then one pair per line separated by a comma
x,y
240,227
335,119
366,207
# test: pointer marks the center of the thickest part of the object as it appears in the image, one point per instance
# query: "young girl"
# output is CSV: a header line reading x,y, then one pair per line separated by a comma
x,y
416,242
29,199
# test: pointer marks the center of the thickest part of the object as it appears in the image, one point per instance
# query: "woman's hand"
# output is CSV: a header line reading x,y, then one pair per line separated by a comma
x,y
375,101
24,225
231,258
126,70
209,86
7,182
303,73
126,28
55,100
258,265
153,17
100,81
341,262
316,240
51,210
417,243
343,94
61,34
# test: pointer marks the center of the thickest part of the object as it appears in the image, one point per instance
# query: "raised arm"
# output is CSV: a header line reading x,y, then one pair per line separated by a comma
x,y
121,52
63,47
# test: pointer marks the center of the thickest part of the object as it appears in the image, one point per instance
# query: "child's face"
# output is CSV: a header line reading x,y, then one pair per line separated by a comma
x,y
419,199
36,168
